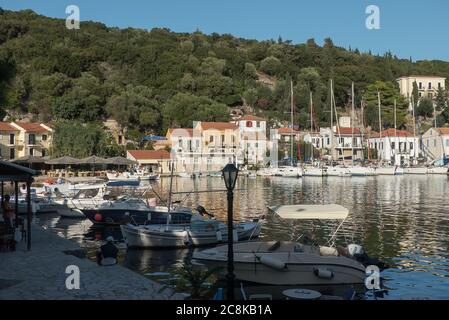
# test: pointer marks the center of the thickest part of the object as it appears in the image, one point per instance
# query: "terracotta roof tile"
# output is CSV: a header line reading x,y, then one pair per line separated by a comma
x,y
218,125
5,126
287,131
391,133
250,117
32,127
149,154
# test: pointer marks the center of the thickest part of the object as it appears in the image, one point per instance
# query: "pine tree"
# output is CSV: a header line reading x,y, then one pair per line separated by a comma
x,y
440,99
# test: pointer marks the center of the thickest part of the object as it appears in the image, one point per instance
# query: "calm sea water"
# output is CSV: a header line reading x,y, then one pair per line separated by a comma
x,y
403,220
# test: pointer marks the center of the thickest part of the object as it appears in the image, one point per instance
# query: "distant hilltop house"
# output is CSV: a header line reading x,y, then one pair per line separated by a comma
x,y
19,139
427,86
117,132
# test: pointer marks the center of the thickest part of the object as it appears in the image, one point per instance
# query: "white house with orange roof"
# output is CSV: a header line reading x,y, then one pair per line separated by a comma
x,y
398,147
157,161
34,139
252,131
9,138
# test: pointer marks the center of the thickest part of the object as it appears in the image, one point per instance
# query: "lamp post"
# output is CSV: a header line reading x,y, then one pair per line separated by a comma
x,y
230,173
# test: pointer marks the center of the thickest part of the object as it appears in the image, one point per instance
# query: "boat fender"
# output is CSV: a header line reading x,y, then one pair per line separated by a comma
x,y
235,235
186,238
219,236
98,217
323,273
149,216
272,262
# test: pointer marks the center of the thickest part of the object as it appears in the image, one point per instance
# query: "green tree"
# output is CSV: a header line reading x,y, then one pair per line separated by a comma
x,y
440,99
388,94
271,65
425,108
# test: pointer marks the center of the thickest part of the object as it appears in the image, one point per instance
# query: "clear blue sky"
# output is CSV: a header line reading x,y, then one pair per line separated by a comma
x,y
409,28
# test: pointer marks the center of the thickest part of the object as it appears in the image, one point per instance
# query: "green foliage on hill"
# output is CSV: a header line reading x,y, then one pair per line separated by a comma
x,y
151,80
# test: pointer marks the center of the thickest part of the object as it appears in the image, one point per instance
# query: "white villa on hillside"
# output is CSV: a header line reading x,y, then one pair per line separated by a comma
x,y
427,86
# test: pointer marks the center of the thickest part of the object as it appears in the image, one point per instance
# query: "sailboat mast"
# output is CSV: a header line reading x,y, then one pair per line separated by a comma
x,y
352,124
396,140
170,192
332,120
291,119
414,128
311,126
380,127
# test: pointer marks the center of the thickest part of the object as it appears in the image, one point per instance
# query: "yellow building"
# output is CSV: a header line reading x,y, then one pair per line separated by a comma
x,y
34,139
9,137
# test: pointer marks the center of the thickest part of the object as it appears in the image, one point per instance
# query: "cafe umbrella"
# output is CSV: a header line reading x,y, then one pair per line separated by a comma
x,y
93,161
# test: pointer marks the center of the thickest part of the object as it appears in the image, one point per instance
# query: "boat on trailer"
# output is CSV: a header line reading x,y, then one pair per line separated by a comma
x,y
294,263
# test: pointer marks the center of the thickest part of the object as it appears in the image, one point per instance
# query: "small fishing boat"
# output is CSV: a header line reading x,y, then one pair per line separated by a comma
x,y
293,263
124,176
198,232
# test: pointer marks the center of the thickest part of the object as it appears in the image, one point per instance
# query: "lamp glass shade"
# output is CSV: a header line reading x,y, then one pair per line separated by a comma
x,y
230,173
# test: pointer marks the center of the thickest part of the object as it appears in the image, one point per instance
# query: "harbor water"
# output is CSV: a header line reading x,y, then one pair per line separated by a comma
x,y
403,220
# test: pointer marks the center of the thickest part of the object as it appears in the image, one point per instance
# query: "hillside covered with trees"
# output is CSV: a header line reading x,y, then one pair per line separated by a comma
x,y
151,80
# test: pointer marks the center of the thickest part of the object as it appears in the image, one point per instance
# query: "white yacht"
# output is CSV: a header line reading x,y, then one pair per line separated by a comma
x,y
338,171
362,171
415,170
288,171
312,171
385,171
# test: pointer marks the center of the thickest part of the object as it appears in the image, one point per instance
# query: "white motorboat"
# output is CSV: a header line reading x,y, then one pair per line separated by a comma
x,y
314,171
415,170
399,171
288,171
184,175
290,263
437,170
198,233
360,171
87,196
385,171
124,176
338,171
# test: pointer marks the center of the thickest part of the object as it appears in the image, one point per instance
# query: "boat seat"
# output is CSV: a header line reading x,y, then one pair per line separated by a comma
x,y
328,251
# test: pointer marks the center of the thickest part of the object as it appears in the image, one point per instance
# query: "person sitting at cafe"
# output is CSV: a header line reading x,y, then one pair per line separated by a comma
x,y
8,212
107,253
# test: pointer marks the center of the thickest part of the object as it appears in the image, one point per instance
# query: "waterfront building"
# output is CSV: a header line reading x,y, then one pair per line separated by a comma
x,y
9,138
33,139
347,143
157,161
398,147
314,138
284,137
435,143
252,132
427,86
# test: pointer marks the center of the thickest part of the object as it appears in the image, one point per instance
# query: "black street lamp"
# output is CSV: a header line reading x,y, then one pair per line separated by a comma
x,y
230,174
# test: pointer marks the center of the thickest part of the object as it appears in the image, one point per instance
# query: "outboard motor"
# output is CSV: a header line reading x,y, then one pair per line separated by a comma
x,y
202,211
357,252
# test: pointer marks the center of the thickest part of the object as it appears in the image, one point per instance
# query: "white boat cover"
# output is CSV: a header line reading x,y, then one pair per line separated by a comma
x,y
311,212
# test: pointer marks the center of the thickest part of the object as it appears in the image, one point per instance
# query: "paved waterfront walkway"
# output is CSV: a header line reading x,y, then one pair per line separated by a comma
x,y
40,274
